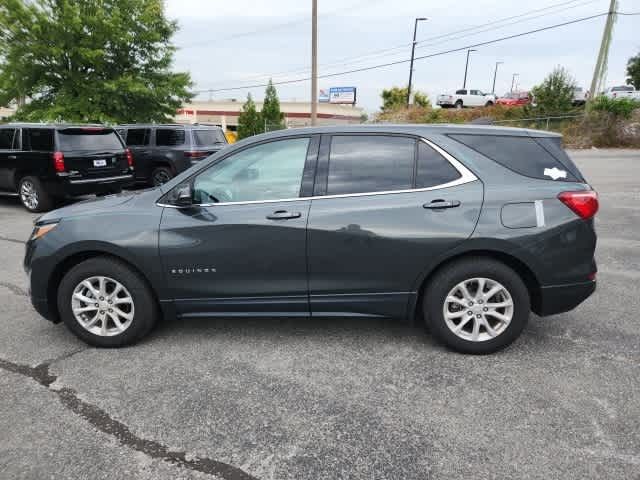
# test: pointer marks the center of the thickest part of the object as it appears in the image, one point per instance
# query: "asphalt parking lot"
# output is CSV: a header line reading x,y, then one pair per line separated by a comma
x,y
271,399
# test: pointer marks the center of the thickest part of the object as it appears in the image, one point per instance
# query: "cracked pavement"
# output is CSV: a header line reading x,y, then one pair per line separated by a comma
x,y
303,399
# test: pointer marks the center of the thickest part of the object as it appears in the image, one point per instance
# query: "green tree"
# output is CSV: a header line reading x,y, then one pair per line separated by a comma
x,y
396,97
249,122
633,71
272,117
555,93
89,60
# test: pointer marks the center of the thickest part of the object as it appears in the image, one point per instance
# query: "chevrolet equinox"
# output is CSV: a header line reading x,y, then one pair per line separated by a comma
x,y
465,228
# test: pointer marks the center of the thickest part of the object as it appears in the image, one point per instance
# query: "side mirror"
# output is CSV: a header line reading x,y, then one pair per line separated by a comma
x,y
183,195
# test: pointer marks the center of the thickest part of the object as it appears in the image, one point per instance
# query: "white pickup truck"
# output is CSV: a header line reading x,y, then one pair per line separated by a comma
x,y
622,91
466,98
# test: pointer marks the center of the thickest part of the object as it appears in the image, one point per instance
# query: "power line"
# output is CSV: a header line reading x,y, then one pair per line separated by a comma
x,y
398,62
396,50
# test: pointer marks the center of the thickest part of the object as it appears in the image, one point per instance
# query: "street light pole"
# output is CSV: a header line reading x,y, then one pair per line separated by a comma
x,y
413,51
513,79
314,62
466,67
495,73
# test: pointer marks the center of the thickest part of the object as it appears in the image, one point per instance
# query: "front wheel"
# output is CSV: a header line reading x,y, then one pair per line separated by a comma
x,y
106,303
476,305
489,104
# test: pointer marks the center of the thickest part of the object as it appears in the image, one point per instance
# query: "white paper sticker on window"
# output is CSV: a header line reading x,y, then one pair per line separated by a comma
x,y
555,173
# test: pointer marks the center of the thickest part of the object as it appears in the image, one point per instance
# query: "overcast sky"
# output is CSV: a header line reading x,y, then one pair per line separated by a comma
x,y
234,43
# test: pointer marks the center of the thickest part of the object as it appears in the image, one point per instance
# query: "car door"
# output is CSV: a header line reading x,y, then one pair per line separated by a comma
x,y
9,141
476,99
241,248
385,209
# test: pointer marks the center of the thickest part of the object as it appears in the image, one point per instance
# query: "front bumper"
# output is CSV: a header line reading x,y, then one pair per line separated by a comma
x,y
562,298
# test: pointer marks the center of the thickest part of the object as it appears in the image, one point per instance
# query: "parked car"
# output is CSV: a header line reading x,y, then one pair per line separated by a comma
x,y
580,96
163,151
465,227
466,98
42,163
514,99
622,91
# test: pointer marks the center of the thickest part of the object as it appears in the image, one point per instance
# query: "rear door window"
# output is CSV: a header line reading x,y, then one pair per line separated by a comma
x,y
169,137
433,169
89,138
37,139
523,155
6,138
208,137
137,137
370,163
461,92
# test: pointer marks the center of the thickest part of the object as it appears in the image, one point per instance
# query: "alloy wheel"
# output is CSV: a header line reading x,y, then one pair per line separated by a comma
x,y
478,309
29,195
102,306
160,177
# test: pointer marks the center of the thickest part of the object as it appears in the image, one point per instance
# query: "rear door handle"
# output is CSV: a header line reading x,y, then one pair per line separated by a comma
x,y
283,215
12,157
438,204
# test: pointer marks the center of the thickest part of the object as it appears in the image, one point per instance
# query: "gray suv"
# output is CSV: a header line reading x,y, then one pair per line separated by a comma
x,y
161,152
465,228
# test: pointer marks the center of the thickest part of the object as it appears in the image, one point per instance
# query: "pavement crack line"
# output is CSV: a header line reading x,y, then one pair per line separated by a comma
x,y
15,289
14,240
101,420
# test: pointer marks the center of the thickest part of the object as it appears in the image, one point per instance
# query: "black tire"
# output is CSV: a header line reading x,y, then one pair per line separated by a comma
x,y
145,313
33,195
477,267
161,175
489,104
458,104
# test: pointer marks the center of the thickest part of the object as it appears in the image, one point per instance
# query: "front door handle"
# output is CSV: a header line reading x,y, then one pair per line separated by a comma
x,y
283,215
12,157
438,204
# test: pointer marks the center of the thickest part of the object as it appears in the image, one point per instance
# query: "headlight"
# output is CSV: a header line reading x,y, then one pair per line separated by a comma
x,y
42,230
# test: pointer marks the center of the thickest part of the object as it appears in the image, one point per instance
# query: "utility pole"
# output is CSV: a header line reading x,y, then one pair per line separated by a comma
x,y
513,80
495,73
466,67
603,55
413,51
314,62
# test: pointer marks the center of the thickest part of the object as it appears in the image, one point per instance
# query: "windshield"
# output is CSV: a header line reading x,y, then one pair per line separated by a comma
x,y
89,138
208,137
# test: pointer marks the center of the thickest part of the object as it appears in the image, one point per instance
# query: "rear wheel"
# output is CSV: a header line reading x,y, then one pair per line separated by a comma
x,y
161,175
33,196
106,304
476,305
458,104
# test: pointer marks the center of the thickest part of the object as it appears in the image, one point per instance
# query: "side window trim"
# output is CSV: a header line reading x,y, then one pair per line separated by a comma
x,y
466,175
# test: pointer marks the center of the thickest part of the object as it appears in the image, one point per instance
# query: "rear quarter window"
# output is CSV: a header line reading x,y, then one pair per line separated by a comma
x,y
523,155
37,139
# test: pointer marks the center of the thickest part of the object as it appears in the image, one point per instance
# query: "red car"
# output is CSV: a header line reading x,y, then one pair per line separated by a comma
x,y
513,99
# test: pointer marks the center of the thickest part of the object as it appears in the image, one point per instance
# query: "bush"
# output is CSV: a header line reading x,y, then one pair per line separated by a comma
x,y
555,94
621,107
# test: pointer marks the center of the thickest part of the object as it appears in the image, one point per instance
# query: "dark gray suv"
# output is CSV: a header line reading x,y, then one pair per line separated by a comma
x,y
161,152
467,228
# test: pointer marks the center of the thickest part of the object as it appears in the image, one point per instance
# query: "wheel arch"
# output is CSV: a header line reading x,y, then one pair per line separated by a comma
x,y
518,265
74,259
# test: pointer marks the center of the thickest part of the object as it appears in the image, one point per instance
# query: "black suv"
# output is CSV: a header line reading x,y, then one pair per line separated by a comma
x,y
42,163
466,228
163,151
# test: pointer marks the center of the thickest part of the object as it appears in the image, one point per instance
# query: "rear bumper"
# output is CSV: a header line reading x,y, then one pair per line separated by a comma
x,y
562,298
85,186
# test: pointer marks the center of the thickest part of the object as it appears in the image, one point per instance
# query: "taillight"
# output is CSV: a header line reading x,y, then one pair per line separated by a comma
x,y
58,162
195,154
584,203
129,157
